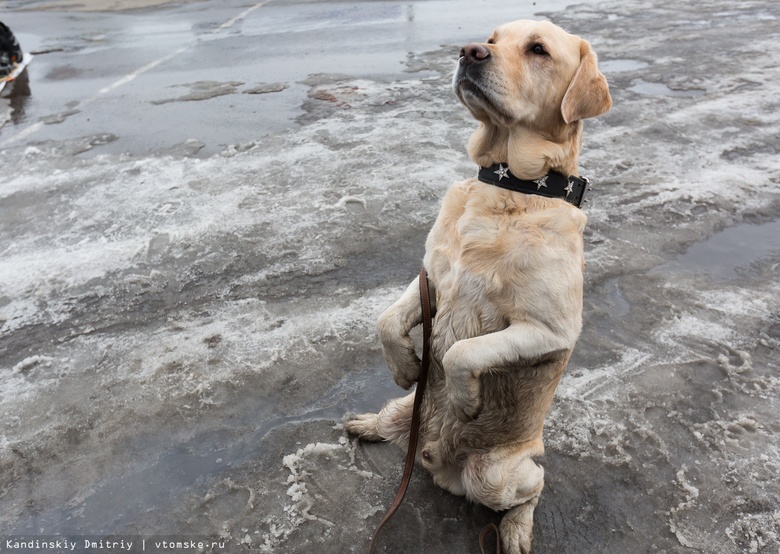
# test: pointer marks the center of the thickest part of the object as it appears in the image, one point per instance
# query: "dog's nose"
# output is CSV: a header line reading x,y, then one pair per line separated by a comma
x,y
473,53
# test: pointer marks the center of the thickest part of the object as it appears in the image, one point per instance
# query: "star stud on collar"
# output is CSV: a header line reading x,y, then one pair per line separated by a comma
x,y
541,182
502,172
569,187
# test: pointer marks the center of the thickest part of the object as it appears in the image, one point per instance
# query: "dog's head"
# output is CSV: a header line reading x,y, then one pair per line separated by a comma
x,y
531,73
530,86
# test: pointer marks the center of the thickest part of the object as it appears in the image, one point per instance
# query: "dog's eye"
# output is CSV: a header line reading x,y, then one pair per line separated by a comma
x,y
491,41
538,49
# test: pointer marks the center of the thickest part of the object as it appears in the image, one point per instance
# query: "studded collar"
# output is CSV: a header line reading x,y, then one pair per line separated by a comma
x,y
553,185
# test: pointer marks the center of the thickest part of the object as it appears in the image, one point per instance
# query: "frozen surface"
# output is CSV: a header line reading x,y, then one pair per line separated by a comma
x,y
190,275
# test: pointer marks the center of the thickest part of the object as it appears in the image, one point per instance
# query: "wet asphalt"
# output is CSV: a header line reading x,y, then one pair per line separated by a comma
x,y
140,74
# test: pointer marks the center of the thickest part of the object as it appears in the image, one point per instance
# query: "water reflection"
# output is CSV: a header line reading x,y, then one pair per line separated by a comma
x,y
17,95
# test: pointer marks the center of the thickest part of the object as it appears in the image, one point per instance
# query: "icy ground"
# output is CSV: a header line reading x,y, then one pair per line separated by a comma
x,y
182,335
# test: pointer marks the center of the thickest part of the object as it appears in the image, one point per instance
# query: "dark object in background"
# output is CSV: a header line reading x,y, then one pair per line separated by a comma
x,y
10,51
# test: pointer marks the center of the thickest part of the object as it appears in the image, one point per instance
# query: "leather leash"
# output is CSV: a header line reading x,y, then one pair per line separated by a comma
x,y
422,381
486,530
427,322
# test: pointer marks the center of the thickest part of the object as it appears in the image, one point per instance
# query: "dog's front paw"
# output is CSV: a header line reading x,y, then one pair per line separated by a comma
x,y
403,362
404,374
463,396
465,407
461,385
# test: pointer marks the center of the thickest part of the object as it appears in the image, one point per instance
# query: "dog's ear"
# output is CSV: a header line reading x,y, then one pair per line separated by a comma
x,y
588,92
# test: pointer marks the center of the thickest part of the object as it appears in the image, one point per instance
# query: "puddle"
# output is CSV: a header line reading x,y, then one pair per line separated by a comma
x,y
721,255
660,89
619,66
185,465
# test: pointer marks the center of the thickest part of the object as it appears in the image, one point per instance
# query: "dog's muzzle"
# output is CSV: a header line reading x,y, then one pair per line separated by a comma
x,y
473,58
473,54
471,83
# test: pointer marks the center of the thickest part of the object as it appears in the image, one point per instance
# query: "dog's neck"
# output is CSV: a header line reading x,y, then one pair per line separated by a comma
x,y
529,154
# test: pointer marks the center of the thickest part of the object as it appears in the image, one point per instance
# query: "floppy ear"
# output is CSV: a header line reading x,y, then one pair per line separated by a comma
x,y
588,92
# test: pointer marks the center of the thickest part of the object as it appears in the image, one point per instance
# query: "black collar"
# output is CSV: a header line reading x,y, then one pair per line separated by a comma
x,y
553,185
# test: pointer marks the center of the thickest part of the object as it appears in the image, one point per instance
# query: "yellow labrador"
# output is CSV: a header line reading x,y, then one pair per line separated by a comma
x,y
505,270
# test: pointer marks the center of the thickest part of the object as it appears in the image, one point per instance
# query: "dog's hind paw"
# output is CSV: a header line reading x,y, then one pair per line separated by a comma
x,y
364,426
517,528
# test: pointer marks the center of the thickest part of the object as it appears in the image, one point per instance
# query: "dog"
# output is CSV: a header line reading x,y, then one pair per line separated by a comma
x,y
506,276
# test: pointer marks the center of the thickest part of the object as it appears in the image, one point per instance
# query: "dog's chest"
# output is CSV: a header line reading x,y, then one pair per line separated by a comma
x,y
495,258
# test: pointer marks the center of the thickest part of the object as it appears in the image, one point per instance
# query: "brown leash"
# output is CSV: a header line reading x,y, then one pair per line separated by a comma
x,y
427,322
486,530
